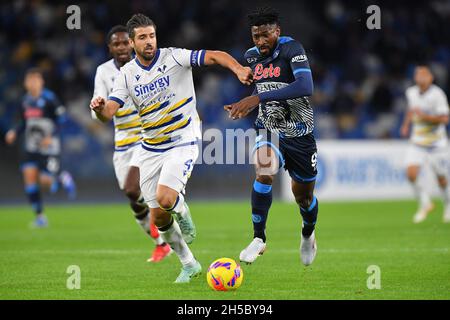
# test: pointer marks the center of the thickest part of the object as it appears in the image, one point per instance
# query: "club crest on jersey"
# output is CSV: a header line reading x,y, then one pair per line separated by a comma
x,y
268,72
162,69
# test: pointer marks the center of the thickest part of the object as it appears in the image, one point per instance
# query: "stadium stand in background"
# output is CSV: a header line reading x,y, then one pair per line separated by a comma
x,y
359,75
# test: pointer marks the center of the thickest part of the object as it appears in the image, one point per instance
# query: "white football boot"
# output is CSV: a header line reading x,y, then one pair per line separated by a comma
x,y
422,213
308,249
254,249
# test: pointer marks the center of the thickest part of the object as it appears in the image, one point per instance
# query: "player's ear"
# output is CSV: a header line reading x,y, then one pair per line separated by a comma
x,y
278,31
130,40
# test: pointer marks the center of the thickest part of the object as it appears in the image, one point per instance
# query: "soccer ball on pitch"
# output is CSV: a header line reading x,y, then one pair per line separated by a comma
x,y
224,274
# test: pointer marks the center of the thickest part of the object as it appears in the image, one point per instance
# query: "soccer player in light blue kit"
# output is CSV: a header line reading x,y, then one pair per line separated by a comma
x,y
160,83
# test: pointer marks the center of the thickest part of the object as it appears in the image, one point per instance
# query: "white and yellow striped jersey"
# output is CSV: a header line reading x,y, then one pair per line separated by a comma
x,y
127,124
433,102
164,95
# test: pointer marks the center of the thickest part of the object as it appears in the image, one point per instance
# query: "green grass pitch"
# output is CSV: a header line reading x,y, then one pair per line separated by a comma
x,y
111,251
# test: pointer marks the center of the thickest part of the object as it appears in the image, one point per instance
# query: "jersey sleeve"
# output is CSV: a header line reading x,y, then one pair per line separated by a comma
x,y
60,110
100,88
442,104
188,58
409,99
120,92
298,59
19,120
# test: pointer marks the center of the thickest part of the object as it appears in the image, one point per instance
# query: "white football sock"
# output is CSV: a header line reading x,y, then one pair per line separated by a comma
x,y
179,208
145,224
446,195
173,237
422,196
159,241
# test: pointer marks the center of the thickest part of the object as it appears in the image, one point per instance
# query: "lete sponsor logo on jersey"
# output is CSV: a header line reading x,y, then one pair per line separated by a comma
x,y
155,86
299,58
268,72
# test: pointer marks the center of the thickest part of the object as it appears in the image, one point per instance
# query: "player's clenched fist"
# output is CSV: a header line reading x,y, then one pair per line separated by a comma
x,y
97,104
245,75
10,137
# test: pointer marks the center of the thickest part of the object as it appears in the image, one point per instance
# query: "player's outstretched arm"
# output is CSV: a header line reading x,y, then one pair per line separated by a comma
x,y
244,74
104,110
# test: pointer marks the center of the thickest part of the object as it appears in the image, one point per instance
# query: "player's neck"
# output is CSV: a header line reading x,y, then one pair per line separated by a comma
x,y
423,89
119,64
144,62
35,94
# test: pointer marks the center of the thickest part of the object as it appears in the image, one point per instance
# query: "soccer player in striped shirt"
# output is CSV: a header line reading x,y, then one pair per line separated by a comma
x,y
427,115
127,136
160,83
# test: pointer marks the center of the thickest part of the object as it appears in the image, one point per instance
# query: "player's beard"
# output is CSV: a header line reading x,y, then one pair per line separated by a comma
x,y
147,56
265,50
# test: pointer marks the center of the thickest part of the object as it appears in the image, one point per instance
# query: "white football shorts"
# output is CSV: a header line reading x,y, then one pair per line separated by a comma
x,y
123,160
171,168
437,158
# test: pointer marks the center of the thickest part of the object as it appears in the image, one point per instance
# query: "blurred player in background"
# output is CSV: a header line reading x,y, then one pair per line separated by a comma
x,y
283,81
41,114
160,83
127,137
428,112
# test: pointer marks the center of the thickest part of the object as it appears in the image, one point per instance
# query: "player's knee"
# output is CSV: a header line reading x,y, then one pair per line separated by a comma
x,y
442,180
411,174
166,201
304,201
265,179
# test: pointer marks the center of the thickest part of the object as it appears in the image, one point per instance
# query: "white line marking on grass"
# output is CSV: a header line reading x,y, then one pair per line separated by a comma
x,y
207,251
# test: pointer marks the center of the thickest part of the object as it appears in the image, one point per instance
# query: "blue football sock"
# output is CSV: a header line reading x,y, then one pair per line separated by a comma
x,y
261,202
54,186
34,197
309,216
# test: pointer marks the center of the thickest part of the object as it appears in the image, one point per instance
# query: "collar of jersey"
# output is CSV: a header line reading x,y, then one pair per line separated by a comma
x,y
35,99
281,40
151,64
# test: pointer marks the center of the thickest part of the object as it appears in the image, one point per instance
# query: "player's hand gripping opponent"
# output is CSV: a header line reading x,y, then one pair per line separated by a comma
x,y
242,108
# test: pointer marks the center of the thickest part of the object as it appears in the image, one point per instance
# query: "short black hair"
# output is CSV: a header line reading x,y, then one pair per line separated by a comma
x,y
115,29
138,20
423,65
34,70
262,16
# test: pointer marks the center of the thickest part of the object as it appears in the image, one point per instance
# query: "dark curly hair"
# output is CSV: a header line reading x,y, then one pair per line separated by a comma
x,y
115,29
262,16
138,20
